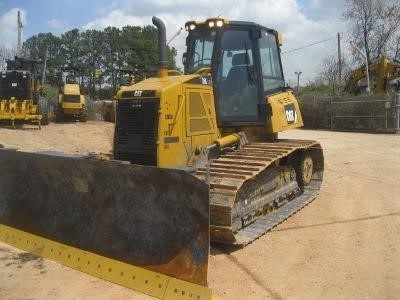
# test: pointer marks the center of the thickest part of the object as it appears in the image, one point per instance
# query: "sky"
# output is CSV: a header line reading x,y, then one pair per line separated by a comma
x,y
301,22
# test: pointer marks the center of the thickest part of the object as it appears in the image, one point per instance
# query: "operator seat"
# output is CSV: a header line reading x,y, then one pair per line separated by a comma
x,y
237,77
237,89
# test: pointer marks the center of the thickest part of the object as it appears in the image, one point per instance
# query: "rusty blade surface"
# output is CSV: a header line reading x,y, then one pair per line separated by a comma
x,y
149,217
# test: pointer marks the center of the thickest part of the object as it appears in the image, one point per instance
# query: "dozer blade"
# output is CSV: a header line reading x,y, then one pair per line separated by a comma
x,y
152,218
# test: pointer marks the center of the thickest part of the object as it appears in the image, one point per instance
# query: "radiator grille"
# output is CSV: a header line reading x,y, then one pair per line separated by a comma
x,y
136,131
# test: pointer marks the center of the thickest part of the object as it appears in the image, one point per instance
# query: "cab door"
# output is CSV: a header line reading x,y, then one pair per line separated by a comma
x,y
237,82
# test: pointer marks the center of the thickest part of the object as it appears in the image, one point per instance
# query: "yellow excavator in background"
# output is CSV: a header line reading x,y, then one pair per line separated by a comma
x,y
384,78
196,157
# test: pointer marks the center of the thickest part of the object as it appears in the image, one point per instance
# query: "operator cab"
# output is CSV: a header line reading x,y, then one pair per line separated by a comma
x,y
70,79
244,59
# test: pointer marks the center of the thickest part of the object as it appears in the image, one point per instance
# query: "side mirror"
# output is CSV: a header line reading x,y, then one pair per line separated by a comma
x,y
255,33
184,56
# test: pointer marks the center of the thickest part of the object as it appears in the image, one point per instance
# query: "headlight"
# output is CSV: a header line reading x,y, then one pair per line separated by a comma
x,y
216,22
220,23
190,25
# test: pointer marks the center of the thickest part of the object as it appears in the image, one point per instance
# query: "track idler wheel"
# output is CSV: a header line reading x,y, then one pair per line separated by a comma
x,y
305,169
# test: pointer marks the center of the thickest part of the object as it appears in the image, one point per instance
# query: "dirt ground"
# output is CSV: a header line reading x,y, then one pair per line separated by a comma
x,y
344,245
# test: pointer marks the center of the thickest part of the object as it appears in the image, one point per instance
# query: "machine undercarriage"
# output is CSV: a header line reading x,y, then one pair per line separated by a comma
x,y
258,186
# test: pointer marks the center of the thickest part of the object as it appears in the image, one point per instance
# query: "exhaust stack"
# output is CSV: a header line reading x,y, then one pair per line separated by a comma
x,y
162,47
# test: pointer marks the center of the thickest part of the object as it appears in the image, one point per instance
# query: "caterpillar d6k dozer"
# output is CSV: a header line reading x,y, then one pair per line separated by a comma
x,y
20,94
220,120
196,157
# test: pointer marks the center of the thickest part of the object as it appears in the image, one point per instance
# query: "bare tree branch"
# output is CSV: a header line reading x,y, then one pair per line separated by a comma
x,y
375,27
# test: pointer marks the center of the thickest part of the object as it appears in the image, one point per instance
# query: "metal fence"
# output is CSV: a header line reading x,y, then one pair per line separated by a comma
x,y
368,113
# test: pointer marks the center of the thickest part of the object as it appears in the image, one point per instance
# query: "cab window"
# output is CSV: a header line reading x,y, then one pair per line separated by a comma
x,y
237,89
270,63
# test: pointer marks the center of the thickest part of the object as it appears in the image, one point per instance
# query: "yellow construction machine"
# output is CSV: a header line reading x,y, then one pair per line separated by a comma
x,y
196,157
21,99
71,100
384,78
220,120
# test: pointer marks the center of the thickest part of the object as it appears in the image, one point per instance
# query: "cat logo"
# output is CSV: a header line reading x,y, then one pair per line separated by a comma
x,y
290,112
137,93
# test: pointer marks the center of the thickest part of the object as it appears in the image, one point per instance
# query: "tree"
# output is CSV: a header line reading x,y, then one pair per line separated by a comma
x,y
5,54
110,52
91,58
330,73
41,47
113,55
375,27
396,47
70,47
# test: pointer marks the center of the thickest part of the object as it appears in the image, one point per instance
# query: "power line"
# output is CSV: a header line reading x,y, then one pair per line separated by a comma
x,y
306,46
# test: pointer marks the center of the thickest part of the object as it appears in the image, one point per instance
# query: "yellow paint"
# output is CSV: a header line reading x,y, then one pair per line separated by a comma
x,y
187,116
71,89
162,73
18,110
279,119
280,39
228,140
139,279
68,107
187,120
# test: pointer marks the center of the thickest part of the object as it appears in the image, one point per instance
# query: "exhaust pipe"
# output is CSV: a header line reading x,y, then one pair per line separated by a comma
x,y
162,47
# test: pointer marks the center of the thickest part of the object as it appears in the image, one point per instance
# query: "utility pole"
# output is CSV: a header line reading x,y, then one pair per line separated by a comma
x,y
339,59
19,26
298,80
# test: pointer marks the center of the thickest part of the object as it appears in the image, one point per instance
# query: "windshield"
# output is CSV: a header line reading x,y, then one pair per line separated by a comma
x,y
236,77
200,48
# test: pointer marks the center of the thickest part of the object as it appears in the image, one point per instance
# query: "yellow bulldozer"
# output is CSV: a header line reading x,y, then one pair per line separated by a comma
x,y
71,100
21,98
196,158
